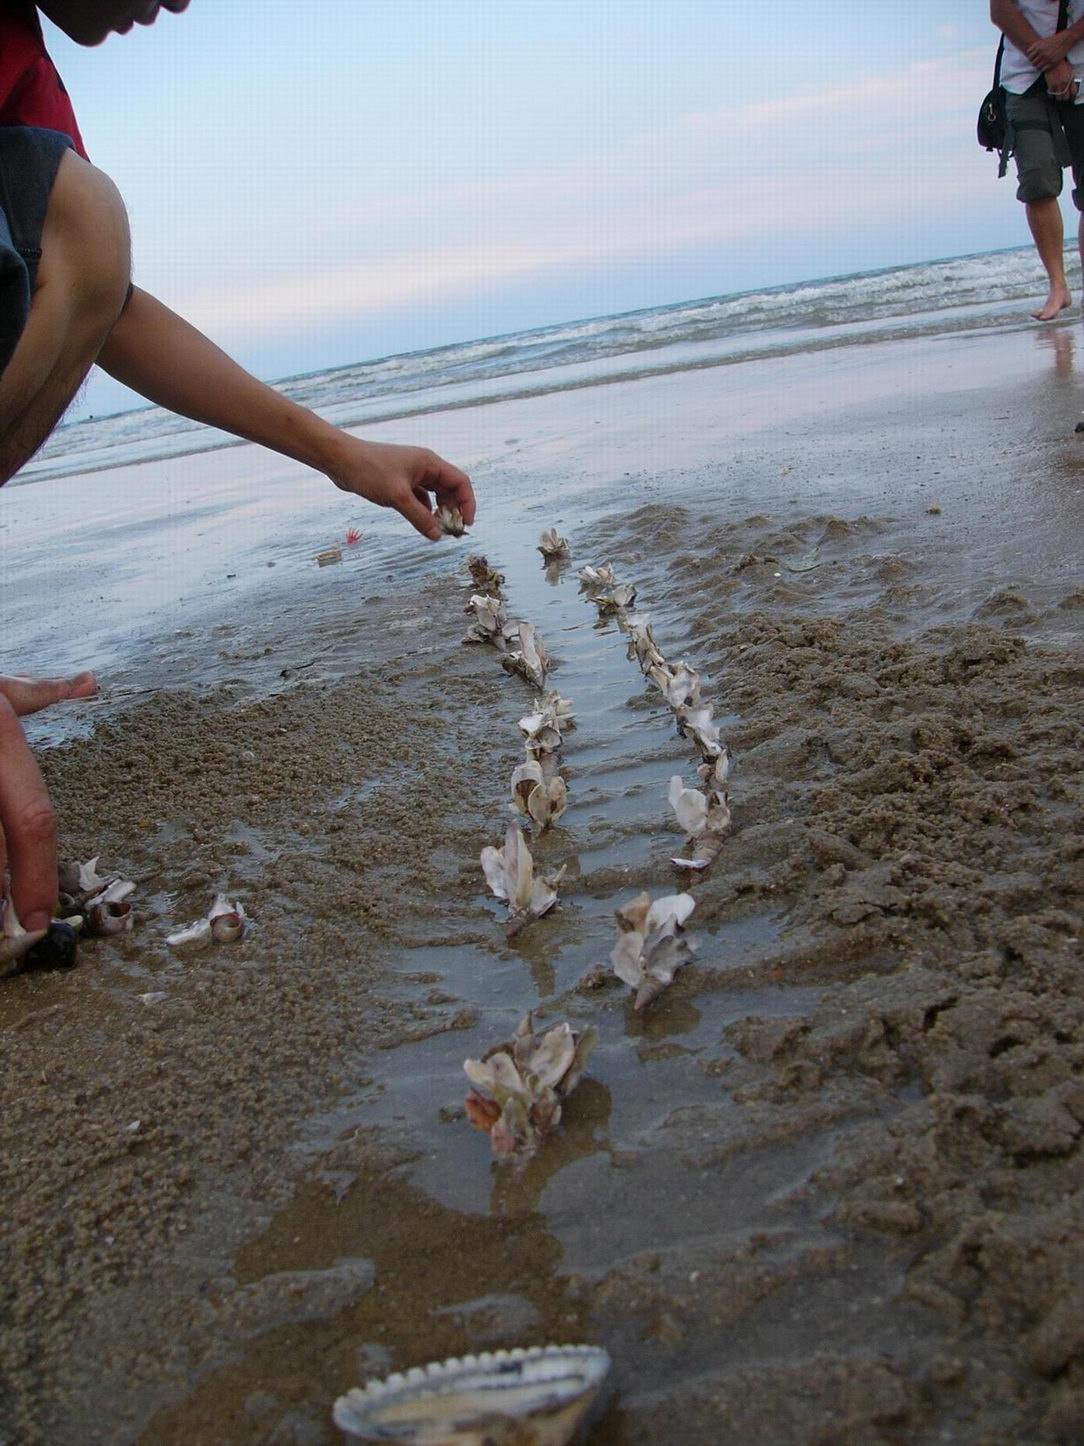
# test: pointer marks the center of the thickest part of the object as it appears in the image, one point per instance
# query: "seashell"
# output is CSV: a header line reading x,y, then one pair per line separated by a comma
x,y
510,875
224,922
15,941
526,1079
696,723
715,771
530,659
108,916
329,557
597,578
490,620
680,686
542,801
650,948
451,521
705,817
562,709
551,544
533,1397
643,647
485,578
616,600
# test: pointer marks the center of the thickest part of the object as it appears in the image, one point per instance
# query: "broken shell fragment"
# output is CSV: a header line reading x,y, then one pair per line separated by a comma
x,y
510,875
526,1078
533,1397
224,922
485,578
451,521
597,578
617,599
650,947
530,659
542,801
551,544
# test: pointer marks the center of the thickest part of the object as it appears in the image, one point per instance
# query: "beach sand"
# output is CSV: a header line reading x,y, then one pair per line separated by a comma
x,y
830,1186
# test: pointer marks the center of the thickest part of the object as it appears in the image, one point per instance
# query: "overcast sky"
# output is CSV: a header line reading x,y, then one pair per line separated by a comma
x,y
322,182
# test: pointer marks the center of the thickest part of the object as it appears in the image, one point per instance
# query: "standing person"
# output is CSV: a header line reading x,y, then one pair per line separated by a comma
x,y
1040,71
66,303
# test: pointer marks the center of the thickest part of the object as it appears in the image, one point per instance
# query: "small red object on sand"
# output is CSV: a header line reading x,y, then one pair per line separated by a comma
x,y
352,535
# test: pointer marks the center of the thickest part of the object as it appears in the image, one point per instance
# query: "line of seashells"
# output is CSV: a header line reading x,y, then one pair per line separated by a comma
x,y
517,1086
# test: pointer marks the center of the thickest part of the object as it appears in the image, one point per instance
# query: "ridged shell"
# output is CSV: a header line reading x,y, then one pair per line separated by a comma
x,y
534,1397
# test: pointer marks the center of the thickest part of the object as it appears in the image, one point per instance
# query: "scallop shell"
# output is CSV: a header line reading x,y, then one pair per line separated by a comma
x,y
534,1397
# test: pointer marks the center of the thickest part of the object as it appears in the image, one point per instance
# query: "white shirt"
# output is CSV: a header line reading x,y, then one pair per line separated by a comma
x,y
1017,71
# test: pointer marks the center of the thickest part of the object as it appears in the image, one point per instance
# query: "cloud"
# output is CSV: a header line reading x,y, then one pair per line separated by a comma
x,y
821,163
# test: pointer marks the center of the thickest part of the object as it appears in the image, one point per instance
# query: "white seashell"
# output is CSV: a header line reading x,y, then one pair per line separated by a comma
x,y
490,620
597,577
522,1084
155,996
680,686
715,771
552,544
530,659
643,647
650,948
616,600
224,922
451,521
510,875
533,1397
15,941
705,817
561,708
541,800
696,723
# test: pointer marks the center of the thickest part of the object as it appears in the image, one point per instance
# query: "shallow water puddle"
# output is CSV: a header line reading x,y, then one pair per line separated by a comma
x,y
466,1254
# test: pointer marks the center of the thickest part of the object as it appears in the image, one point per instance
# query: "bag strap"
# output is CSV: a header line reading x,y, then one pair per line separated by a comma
x,y
997,64
1063,15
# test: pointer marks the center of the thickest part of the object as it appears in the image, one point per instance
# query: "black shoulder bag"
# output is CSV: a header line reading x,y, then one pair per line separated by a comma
x,y
993,123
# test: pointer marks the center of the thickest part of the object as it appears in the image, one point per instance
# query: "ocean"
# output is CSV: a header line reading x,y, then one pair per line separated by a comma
x,y
987,291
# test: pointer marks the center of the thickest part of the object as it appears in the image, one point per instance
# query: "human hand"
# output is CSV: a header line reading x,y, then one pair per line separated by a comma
x,y
27,826
1060,81
1046,53
403,478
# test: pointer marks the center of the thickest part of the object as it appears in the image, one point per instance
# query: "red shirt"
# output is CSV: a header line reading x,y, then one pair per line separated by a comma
x,y
31,91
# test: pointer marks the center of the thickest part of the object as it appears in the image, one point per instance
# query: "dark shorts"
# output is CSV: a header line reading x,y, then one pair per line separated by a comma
x,y
1045,137
29,160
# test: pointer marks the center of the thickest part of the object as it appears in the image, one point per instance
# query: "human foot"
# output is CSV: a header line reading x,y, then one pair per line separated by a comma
x,y
30,695
1056,302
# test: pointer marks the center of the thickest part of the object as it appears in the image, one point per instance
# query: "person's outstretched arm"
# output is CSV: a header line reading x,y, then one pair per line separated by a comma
x,y
158,354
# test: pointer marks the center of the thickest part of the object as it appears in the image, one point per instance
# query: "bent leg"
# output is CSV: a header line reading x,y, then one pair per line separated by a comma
x,y
82,284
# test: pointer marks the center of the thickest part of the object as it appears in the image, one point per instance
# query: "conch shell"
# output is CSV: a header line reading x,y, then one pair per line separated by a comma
x,y
518,1086
551,544
451,521
530,659
650,947
490,620
542,800
596,578
705,817
485,578
510,875
224,923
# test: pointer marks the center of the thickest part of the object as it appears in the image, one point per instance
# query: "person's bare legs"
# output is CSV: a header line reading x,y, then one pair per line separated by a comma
x,y
81,288
1048,233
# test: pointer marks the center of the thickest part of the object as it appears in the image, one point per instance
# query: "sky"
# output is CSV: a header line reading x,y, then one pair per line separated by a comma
x,y
319,183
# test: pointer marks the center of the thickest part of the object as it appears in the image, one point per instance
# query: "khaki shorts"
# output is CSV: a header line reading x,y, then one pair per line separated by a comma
x,y
1046,136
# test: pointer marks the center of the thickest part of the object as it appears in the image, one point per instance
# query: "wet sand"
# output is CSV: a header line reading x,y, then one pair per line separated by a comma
x,y
829,1188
